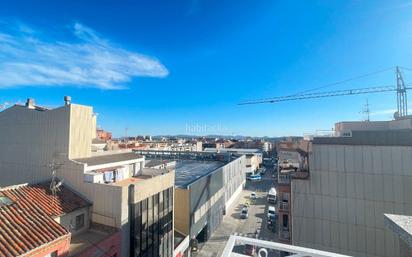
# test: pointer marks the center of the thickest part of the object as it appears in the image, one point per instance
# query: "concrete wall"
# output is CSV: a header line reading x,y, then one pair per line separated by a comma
x,y
373,125
340,208
234,178
149,187
182,211
82,124
31,140
201,193
69,220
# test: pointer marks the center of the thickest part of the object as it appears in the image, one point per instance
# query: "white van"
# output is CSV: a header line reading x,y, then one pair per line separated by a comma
x,y
272,195
271,212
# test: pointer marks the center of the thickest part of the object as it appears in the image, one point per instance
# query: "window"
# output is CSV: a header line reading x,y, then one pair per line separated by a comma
x,y
53,254
79,221
4,200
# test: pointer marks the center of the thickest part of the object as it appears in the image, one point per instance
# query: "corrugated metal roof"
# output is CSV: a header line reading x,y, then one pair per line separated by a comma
x,y
26,223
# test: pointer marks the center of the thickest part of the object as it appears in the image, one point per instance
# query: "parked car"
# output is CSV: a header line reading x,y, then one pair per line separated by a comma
x,y
272,195
244,213
271,212
255,177
253,196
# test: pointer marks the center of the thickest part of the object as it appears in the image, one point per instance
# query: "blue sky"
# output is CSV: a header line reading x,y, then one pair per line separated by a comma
x,y
181,67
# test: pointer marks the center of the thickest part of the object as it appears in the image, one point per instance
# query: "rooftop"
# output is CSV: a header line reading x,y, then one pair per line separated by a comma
x,y
188,171
402,137
241,150
26,220
400,225
154,162
89,238
235,242
65,201
109,158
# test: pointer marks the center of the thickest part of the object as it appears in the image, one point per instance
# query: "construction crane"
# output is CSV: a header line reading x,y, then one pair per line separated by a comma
x,y
400,89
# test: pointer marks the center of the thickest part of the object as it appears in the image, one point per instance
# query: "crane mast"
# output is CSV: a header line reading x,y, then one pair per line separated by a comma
x,y
402,101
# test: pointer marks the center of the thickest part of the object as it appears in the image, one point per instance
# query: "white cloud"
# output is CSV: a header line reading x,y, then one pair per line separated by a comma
x,y
89,61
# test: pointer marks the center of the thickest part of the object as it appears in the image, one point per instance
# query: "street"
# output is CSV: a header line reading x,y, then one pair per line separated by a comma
x,y
256,223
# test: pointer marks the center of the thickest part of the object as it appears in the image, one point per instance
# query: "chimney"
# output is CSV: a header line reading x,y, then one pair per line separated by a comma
x,y
67,100
30,103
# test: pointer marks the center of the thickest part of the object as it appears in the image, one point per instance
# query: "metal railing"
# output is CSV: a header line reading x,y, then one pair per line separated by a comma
x,y
283,206
284,234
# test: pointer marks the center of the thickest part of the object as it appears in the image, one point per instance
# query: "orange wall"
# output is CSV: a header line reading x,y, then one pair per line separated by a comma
x,y
61,246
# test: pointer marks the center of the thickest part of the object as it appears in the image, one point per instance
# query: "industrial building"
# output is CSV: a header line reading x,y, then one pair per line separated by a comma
x,y
206,184
254,157
355,177
37,144
205,190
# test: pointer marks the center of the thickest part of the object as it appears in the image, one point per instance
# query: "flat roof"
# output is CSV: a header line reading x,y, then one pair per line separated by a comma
x,y
86,239
155,162
109,158
402,137
400,225
188,171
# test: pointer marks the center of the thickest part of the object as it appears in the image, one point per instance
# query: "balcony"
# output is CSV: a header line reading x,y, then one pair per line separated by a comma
x,y
284,234
283,206
284,179
300,174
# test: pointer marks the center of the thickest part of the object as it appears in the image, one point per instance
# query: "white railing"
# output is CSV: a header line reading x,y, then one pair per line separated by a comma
x,y
283,206
262,244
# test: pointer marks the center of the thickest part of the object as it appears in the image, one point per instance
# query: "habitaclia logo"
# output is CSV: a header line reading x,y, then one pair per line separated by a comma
x,y
205,128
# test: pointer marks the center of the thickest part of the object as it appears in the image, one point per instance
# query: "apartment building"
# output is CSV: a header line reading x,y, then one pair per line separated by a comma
x,y
37,144
356,176
292,164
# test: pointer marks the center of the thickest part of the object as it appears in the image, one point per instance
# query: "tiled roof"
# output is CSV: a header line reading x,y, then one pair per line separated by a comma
x,y
26,217
25,227
65,201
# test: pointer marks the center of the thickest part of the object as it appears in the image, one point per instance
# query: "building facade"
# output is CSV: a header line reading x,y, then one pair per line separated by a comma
x,y
355,177
37,143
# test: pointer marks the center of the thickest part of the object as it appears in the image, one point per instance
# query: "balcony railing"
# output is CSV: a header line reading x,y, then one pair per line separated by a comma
x,y
284,234
300,174
284,179
283,206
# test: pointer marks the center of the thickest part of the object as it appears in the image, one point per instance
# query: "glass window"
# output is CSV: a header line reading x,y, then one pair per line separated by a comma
x,y
79,221
53,254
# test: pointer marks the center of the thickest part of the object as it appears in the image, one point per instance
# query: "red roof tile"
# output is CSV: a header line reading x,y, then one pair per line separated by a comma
x,y
65,201
27,222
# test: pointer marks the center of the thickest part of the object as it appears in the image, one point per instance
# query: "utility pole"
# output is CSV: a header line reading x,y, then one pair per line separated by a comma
x,y
366,111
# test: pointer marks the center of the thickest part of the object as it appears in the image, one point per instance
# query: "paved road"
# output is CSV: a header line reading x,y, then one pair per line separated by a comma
x,y
232,223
